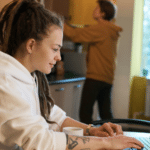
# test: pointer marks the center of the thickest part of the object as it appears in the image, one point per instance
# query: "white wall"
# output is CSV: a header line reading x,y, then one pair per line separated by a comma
x,y
121,89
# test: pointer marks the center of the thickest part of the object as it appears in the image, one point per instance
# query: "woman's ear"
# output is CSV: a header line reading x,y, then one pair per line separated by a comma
x,y
29,45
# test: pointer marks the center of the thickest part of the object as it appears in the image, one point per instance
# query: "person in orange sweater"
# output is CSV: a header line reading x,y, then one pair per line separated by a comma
x,y
102,38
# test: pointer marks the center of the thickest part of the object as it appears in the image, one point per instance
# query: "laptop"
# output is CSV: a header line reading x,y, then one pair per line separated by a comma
x,y
142,137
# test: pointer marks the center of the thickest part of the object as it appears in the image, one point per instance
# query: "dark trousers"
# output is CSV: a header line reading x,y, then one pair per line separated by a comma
x,y
95,90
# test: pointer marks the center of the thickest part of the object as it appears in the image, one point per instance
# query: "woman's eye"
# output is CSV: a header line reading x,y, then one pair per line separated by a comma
x,y
55,50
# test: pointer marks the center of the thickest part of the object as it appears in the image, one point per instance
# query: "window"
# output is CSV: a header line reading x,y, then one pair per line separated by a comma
x,y
145,62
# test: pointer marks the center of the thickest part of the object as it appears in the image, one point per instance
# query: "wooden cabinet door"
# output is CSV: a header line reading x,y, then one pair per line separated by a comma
x,y
59,6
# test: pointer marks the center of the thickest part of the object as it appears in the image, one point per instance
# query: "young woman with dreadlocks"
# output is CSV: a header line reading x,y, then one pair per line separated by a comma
x,y
30,40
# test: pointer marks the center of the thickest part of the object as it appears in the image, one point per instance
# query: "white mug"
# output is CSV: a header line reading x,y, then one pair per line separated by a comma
x,y
73,131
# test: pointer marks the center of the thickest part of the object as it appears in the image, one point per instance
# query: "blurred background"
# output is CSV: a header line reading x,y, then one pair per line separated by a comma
x,y
133,48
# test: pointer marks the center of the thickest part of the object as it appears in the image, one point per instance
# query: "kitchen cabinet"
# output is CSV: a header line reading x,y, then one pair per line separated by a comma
x,y
67,96
59,6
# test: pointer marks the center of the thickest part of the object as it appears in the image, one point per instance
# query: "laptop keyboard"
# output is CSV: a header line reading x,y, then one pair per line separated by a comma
x,y
145,141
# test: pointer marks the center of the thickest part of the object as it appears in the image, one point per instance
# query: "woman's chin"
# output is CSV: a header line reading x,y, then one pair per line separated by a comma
x,y
47,71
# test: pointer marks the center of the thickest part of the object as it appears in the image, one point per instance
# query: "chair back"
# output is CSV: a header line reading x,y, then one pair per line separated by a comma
x,y
138,98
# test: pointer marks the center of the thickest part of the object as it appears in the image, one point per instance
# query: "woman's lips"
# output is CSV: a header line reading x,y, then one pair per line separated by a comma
x,y
51,65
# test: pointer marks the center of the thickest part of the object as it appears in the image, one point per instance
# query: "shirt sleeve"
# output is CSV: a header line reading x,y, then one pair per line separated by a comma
x,y
57,115
93,33
18,125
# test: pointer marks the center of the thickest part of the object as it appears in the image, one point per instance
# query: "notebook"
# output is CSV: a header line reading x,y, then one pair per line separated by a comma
x,y
143,137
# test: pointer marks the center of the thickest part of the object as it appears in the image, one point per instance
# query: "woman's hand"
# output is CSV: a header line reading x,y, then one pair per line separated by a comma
x,y
122,142
107,129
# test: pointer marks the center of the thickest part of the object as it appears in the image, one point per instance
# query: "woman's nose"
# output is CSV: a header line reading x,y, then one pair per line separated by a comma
x,y
58,56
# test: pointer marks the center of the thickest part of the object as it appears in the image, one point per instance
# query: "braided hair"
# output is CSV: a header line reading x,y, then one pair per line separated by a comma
x,y
21,20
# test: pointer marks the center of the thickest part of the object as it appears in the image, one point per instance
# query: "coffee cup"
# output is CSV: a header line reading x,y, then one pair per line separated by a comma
x,y
73,131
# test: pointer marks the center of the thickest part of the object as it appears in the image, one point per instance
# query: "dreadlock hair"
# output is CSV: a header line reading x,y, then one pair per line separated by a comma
x,y
108,8
21,20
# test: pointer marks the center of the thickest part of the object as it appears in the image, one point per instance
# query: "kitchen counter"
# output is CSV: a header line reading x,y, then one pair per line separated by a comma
x,y
68,77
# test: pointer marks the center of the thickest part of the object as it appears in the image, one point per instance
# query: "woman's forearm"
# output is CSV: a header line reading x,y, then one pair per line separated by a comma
x,y
69,122
85,143
97,143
